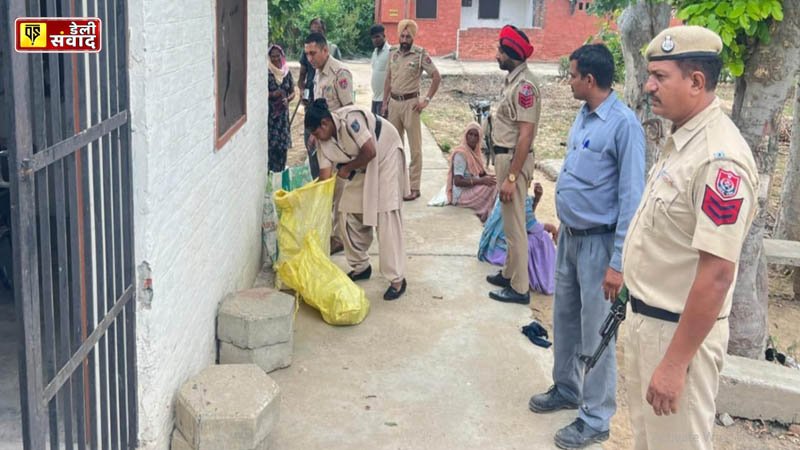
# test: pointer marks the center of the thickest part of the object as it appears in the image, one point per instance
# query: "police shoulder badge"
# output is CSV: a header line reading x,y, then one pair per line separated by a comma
x,y
525,98
343,83
355,126
718,203
668,45
727,183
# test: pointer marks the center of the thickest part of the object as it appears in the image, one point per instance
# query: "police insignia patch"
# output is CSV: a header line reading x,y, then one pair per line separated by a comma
x,y
727,183
526,98
355,126
428,60
719,210
343,83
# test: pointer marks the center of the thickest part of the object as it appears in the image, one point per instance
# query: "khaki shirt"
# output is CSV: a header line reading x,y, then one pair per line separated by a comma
x,y
406,69
381,187
700,196
335,83
521,102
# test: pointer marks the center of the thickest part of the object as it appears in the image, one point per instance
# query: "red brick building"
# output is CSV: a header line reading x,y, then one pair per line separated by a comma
x,y
469,28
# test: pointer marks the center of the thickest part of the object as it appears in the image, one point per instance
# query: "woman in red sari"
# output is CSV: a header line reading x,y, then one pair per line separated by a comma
x,y
468,184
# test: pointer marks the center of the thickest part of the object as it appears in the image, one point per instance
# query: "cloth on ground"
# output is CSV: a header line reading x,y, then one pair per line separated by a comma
x,y
537,334
541,249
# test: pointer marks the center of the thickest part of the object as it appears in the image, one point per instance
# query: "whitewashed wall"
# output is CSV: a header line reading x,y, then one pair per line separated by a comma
x,y
516,12
197,210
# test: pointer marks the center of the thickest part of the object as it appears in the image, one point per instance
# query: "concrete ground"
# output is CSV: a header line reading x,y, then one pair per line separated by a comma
x,y
10,424
443,367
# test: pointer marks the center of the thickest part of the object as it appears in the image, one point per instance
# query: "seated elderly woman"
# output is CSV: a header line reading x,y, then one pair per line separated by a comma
x,y
541,248
468,184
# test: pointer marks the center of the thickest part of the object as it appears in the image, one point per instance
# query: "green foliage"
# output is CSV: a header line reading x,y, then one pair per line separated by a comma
x,y
611,39
563,67
740,23
347,23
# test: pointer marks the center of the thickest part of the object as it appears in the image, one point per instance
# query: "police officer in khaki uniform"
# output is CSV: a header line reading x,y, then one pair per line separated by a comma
x,y
368,156
515,119
682,248
401,94
333,82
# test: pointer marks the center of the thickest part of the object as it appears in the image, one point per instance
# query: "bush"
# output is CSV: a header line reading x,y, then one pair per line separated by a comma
x,y
563,68
347,23
612,40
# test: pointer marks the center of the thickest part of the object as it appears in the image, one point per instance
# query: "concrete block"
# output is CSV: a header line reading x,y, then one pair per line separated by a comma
x,y
234,407
255,318
269,358
759,390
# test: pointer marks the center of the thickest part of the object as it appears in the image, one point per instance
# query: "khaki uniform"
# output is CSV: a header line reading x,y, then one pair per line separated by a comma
x,y
406,72
521,102
373,198
334,82
700,196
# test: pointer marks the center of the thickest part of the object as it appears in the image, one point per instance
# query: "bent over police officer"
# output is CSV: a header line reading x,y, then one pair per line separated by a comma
x,y
682,249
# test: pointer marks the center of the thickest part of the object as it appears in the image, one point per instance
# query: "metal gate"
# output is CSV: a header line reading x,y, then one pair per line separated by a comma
x,y
72,230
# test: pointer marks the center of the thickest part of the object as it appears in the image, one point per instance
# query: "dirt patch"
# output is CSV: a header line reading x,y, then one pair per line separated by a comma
x,y
449,112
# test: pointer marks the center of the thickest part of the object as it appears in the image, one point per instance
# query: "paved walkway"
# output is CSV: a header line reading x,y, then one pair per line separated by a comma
x,y
443,367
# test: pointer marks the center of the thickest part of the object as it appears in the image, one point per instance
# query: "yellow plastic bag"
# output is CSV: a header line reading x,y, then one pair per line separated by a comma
x,y
323,285
300,211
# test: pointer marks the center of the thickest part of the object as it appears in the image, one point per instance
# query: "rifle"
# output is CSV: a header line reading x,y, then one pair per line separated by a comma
x,y
608,330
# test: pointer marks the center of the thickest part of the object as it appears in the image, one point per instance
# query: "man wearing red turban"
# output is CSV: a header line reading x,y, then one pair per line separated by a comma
x,y
515,119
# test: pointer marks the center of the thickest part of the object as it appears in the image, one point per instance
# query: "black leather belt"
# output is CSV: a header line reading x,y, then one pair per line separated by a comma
x,y
640,307
602,229
402,97
503,150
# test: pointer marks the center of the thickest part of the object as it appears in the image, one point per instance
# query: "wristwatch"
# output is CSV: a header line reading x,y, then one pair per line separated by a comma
x,y
512,178
428,99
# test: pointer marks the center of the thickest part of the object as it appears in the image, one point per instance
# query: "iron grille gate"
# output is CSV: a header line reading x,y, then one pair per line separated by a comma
x,y
72,230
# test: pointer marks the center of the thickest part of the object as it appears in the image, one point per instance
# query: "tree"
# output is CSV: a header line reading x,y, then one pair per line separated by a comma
x,y
789,219
638,24
762,50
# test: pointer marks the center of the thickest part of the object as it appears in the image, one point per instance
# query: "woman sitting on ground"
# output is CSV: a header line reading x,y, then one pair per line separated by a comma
x,y
468,184
541,248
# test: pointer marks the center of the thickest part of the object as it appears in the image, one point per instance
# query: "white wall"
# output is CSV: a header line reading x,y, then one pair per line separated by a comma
x,y
197,210
515,12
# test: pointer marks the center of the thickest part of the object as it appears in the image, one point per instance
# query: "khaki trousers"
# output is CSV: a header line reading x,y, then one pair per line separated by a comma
x,y
357,238
516,265
646,341
404,118
336,231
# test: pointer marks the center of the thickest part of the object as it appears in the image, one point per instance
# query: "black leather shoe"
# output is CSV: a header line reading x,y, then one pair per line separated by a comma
x,y
550,401
363,275
499,280
509,295
394,294
579,435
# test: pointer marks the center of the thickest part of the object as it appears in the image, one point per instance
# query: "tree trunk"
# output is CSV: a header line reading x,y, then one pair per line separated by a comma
x,y
789,219
760,95
638,25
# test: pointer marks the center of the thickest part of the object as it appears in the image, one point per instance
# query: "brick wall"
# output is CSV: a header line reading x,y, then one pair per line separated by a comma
x,y
439,35
197,211
561,34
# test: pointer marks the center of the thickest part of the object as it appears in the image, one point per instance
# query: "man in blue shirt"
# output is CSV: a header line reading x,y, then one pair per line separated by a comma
x,y
597,193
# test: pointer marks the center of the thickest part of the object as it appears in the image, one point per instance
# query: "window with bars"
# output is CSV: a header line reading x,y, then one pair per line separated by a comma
x,y
488,9
426,9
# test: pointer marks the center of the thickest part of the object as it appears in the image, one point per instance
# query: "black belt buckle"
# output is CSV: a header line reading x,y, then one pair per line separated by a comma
x,y
501,150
